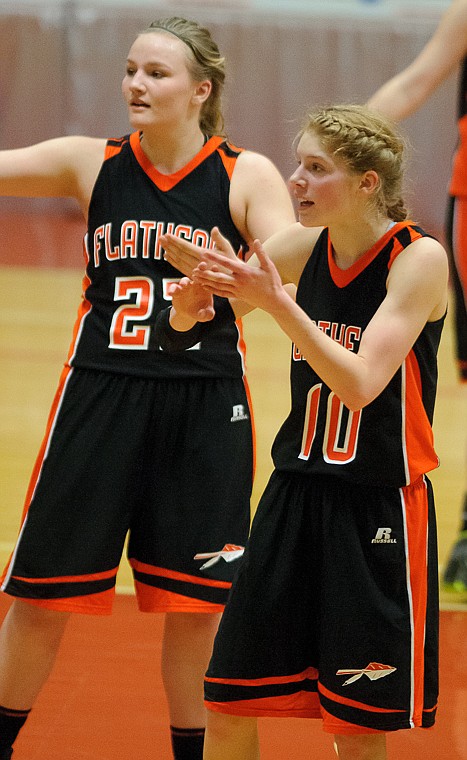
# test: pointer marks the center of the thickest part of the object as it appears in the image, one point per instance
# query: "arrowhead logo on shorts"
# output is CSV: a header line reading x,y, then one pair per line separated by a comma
x,y
228,553
373,671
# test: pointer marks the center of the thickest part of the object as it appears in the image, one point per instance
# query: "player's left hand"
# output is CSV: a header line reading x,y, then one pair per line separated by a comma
x,y
191,302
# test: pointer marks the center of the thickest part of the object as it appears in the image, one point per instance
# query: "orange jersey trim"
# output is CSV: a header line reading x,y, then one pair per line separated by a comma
x,y
142,567
90,604
70,578
229,161
308,674
353,702
45,441
152,599
303,704
84,307
168,181
420,451
458,184
414,235
415,504
114,146
334,725
342,277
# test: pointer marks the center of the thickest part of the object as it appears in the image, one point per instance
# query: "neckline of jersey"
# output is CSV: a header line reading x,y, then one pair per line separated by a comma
x,y
343,277
168,181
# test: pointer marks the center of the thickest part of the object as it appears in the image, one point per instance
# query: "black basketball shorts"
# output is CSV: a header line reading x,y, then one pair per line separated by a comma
x,y
168,462
334,611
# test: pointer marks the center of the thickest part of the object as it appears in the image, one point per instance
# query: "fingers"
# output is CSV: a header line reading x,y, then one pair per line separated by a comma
x,y
205,315
182,254
259,251
217,283
176,287
222,244
185,256
218,262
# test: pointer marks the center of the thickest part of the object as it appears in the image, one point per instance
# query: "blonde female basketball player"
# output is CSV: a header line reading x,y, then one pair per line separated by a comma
x,y
333,614
129,445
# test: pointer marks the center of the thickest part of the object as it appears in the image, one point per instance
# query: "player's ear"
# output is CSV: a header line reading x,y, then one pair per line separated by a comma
x,y
202,91
369,182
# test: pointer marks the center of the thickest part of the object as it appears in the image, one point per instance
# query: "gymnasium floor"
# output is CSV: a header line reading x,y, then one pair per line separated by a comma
x,y
104,700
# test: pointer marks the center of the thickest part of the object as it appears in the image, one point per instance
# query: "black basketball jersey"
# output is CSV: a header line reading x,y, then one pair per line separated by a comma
x,y
390,441
127,279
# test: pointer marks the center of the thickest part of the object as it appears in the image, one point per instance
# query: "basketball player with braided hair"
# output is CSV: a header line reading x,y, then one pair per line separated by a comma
x,y
129,445
334,612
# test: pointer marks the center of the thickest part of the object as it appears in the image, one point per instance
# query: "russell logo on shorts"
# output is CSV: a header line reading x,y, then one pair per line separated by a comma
x,y
238,413
383,536
373,671
228,553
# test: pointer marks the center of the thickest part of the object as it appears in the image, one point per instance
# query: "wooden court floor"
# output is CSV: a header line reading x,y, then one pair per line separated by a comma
x,y
40,282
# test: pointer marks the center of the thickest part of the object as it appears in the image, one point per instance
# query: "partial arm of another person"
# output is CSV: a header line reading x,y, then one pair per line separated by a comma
x,y
402,95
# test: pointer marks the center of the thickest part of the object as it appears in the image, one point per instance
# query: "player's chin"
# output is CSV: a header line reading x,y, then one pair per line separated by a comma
x,y
137,119
306,217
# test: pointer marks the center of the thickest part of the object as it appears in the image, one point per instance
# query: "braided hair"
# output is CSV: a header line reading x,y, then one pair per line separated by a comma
x,y
204,62
364,140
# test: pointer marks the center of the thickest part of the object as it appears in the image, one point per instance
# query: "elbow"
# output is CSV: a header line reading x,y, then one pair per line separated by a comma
x,y
355,400
360,389
353,404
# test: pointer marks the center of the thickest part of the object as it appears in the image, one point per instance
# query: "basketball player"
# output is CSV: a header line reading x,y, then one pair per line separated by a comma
x,y
129,444
334,611
398,98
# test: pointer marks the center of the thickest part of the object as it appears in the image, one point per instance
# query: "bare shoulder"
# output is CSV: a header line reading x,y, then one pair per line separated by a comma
x,y
249,162
426,251
422,270
82,159
77,149
291,248
260,201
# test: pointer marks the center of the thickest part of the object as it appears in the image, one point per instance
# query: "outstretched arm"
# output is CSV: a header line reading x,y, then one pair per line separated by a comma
x,y
402,95
62,167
